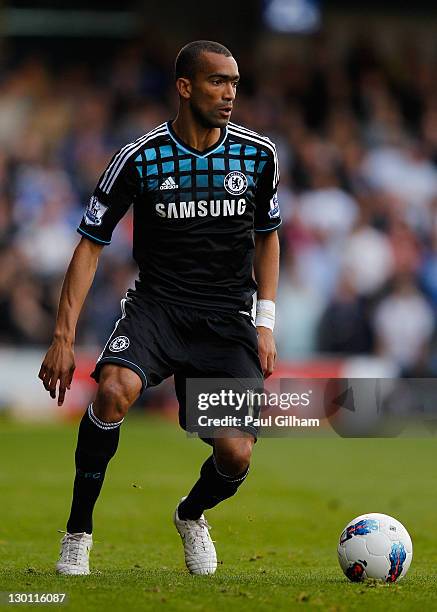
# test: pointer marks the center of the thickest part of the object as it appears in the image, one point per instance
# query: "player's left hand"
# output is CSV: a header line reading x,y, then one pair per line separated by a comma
x,y
266,350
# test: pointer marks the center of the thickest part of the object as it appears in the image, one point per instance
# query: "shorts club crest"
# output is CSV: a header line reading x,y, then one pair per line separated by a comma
x,y
120,343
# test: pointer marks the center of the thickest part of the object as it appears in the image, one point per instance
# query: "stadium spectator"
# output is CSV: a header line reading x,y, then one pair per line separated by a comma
x,y
404,325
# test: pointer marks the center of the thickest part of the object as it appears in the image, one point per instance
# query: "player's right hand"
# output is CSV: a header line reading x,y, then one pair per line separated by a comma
x,y
59,365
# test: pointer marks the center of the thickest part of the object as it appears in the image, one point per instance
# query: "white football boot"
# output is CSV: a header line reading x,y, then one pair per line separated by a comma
x,y
75,554
200,555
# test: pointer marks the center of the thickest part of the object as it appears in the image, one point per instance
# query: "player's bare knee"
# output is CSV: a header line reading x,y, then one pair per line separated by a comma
x,y
111,404
118,389
113,400
234,459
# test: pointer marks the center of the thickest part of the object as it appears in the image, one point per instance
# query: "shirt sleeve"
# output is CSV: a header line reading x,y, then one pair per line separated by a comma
x,y
267,213
112,197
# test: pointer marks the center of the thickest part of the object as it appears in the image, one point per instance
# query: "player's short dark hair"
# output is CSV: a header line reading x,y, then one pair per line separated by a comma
x,y
187,60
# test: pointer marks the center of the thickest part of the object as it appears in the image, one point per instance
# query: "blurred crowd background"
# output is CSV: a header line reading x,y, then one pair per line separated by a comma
x,y
356,131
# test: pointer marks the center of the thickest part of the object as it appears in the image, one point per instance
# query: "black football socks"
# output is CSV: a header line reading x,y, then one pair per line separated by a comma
x,y
97,443
212,487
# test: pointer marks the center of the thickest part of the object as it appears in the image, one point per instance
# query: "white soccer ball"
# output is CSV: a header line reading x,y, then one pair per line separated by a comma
x,y
375,546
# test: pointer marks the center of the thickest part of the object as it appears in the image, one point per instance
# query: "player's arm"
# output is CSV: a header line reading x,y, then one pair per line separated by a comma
x,y
266,262
266,270
112,197
58,364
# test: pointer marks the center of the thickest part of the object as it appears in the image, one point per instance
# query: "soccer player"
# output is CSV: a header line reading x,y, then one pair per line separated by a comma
x,y
205,209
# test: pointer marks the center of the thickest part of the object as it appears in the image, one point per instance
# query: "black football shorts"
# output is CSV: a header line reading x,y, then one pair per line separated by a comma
x,y
158,339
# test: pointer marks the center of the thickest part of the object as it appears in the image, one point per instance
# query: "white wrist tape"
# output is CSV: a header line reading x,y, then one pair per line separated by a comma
x,y
265,314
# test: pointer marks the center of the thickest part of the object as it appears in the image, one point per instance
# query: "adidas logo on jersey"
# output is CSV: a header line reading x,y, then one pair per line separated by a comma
x,y
169,183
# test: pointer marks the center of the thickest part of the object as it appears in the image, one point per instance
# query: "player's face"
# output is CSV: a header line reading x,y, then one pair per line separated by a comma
x,y
213,89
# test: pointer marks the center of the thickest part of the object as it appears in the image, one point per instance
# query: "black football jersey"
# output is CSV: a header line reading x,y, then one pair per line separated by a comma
x,y
194,213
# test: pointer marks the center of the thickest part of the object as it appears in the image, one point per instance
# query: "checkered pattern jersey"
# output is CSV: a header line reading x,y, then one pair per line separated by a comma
x,y
195,213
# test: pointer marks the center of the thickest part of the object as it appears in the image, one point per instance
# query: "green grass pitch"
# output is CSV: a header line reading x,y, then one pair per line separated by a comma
x,y
276,539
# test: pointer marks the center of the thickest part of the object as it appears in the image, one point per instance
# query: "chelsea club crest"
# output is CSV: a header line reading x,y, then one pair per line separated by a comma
x,y
235,183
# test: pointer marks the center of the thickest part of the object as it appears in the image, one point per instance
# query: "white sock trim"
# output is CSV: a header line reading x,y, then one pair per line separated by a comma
x,y
102,424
